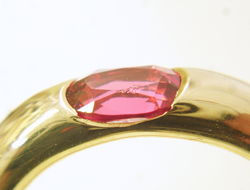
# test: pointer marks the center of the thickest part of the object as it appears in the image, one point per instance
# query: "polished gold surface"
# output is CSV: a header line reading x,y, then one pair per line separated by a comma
x,y
210,108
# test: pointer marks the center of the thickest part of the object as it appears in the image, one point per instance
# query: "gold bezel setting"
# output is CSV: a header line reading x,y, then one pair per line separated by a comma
x,y
184,84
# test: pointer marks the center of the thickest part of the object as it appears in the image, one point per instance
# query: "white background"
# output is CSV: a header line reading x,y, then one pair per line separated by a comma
x,y
43,43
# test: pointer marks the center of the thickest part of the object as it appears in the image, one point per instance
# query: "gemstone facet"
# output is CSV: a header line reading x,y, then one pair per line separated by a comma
x,y
124,95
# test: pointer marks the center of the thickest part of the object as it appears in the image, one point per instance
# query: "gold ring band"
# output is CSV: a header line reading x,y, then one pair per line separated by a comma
x,y
210,108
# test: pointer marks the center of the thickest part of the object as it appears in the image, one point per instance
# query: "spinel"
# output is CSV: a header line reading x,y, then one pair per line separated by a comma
x,y
124,95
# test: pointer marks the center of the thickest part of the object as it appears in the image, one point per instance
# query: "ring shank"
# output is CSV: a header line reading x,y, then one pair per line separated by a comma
x,y
214,109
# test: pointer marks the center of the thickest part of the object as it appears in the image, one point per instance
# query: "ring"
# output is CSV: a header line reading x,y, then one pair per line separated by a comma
x,y
183,103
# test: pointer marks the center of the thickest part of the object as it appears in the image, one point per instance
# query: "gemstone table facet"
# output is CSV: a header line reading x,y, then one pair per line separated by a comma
x,y
124,95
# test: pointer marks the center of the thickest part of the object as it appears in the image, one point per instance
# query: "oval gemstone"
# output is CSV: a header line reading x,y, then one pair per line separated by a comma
x,y
124,95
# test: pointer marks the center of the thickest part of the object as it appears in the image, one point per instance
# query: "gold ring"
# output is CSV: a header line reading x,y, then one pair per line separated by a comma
x,y
131,102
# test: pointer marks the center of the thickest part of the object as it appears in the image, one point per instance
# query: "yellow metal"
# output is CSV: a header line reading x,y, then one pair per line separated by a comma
x,y
209,107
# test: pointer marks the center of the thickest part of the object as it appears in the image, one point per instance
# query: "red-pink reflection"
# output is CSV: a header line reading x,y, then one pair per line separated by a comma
x,y
242,124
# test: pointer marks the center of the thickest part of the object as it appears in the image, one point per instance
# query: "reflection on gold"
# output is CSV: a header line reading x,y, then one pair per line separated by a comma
x,y
242,124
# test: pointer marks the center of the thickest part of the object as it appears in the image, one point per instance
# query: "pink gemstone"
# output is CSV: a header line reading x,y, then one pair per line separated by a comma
x,y
124,95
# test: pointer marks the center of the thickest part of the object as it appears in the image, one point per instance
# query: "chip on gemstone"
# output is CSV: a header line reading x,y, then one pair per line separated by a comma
x,y
124,95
